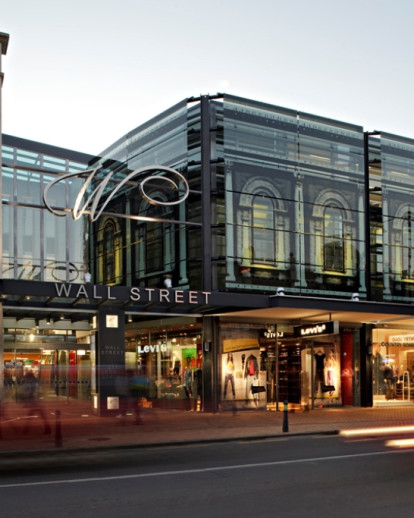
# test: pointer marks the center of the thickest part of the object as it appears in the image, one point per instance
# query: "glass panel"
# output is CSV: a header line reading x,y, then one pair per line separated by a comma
x,y
258,130
7,185
56,196
407,247
78,248
154,247
396,162
162,140
333,240
8,267
28,158
74,167
109,253
28,232
54,247
302,165
28,187
74,185
7,155
56,164
8,241
263,231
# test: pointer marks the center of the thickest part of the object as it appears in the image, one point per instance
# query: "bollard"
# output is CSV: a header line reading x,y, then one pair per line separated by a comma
x,y
285,417
58,431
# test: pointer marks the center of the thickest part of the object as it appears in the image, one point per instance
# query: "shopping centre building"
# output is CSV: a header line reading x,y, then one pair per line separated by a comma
x,y
235,253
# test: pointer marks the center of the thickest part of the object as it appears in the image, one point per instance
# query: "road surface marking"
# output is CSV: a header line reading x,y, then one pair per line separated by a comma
x,y
200,470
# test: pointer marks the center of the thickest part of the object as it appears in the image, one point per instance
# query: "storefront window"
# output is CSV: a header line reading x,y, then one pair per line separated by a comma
x,y
170,356
321,372
392,366
247,366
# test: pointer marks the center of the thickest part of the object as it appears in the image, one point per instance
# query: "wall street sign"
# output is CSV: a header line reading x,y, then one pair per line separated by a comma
x,y
95,195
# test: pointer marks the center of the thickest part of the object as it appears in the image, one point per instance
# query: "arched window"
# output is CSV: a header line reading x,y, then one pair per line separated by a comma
x,y
407,247
109,252
333,240
263,231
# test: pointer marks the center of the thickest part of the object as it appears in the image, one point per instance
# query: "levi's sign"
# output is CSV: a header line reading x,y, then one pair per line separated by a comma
x,y
322,328
95,195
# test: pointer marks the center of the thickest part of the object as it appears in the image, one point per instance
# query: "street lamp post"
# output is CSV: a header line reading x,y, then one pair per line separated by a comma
x,y
4,41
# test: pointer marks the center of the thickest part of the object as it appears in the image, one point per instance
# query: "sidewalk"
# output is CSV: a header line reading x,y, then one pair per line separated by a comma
x,y
78,430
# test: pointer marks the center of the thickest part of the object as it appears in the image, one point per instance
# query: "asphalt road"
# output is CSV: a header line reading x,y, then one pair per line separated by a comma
x,y
317,476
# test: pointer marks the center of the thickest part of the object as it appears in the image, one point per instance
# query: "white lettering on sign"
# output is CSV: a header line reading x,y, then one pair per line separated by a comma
x,y
401,339
152,348
88,291
314,330
168,179
272,334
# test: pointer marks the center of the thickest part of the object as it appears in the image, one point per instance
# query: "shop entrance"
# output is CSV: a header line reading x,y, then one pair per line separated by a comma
x,y
58,373
55,356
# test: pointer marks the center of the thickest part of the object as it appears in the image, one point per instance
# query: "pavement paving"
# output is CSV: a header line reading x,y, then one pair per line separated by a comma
x,y
40,435
71,425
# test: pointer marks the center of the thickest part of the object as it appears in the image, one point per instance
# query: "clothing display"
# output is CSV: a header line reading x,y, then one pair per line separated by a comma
x,y
188,379
320,371
229,375
251,372
251,366
330,369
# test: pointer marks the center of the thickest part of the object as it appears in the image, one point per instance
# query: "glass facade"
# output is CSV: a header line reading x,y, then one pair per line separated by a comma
x,y
391,162
36,244
39,246
154,245
277,200
294,201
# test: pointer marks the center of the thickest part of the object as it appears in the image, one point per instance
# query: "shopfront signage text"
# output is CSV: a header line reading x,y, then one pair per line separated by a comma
x,y
93,204
91,291
273,334
401,340
321,328
152,348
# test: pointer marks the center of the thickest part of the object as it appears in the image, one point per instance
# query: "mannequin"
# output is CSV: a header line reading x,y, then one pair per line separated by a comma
x,y
229,378
251,373
320,368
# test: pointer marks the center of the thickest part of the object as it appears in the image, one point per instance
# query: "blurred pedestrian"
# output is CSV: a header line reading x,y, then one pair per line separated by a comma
x,y
31,401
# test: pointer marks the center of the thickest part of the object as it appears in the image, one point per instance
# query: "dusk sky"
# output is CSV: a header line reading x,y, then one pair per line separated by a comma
x,y
83,73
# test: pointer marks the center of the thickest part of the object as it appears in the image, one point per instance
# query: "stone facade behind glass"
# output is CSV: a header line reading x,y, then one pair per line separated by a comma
x,y
288,207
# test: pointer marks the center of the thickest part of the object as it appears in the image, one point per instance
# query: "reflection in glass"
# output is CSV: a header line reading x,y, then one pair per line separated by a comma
x,y
333,240
263,230
407,247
